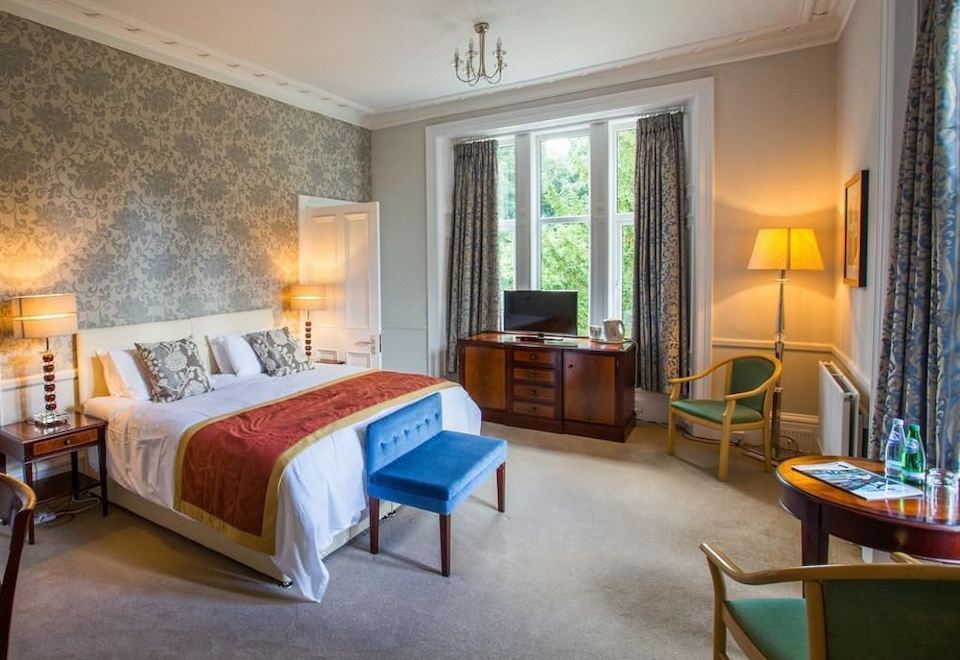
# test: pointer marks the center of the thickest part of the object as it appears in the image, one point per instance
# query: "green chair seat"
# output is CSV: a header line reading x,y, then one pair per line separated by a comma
x,y
713,410
778,626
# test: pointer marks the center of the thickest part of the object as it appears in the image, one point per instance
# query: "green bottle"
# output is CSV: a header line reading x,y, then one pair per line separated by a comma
x,y
914,458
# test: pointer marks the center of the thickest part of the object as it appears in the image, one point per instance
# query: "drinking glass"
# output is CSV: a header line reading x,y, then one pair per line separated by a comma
x,y
940,492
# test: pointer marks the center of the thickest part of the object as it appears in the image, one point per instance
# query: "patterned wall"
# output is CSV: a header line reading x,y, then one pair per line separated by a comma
x,y
151,192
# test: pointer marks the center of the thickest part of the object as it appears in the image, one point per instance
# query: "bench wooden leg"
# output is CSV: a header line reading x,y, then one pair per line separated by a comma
x,y
502,487
445,544
374,510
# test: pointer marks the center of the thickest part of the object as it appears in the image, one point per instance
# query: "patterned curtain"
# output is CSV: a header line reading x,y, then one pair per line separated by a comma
x,y
473,301
919,370
661,271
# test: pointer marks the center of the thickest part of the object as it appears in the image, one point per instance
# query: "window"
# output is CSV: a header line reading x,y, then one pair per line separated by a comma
x,y
624,245
549,245
564,218
507,214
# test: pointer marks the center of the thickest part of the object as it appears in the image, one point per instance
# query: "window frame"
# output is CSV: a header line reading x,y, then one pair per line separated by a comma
x,y
510,224
617,220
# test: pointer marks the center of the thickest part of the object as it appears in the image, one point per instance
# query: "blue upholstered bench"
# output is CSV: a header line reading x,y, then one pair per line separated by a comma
x,y
411,460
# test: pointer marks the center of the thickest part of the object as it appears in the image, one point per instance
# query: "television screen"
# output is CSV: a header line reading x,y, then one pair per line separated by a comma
x,y
548,312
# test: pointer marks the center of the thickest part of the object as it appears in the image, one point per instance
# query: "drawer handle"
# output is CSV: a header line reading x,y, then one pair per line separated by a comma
x,y
533,358
533,391
569,366
68,442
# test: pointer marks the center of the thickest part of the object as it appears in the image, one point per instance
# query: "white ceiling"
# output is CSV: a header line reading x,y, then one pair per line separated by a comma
x,y
357,58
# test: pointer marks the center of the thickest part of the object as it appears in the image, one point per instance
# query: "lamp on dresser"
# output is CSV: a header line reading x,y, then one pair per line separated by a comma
x,y
43,317
307,298
783,249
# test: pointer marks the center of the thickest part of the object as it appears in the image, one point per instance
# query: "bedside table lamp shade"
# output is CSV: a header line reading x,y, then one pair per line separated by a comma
x,y
783,249
307,298
42,317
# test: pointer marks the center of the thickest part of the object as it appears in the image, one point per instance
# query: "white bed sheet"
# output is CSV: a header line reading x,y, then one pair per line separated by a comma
x,y
321,492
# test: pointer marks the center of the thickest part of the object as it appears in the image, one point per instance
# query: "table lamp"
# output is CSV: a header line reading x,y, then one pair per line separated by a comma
x,y
43,317
783,249
307,298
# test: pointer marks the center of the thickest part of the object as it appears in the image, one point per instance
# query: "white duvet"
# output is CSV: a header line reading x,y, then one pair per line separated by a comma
x,y
321,492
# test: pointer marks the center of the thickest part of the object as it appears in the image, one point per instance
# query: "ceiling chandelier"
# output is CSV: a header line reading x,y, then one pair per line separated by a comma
x,y
472,74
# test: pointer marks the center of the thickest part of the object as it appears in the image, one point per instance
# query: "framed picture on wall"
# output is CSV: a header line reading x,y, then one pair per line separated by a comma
x,y
855,229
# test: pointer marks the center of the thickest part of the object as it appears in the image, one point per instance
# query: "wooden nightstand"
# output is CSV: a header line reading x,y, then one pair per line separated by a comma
x,y
29,444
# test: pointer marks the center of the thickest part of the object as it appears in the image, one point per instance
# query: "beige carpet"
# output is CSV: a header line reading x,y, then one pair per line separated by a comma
x,y
596,557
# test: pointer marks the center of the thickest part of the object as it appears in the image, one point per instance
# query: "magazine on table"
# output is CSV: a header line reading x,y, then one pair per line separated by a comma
x,y
862,483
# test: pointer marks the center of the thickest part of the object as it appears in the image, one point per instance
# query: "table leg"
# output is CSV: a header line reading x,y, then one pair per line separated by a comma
x,y
102,456
28,479
75,473
814,543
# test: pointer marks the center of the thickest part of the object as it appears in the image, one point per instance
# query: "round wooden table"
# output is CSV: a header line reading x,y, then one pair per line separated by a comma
x,y
889,525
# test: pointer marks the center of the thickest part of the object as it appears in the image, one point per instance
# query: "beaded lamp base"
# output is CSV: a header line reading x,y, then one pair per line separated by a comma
x,y
49,416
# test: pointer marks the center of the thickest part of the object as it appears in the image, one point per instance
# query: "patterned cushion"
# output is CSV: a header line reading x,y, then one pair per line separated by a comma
x,y
278,352
175,368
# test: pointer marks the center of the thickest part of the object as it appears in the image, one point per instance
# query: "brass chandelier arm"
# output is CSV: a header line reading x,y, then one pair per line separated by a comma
x,y
467,73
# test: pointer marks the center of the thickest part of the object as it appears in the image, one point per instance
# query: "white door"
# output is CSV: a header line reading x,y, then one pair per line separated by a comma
x,y
340,250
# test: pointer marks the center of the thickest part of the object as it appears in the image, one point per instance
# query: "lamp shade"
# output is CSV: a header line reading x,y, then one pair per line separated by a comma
x,y
786,248
41,317
307,297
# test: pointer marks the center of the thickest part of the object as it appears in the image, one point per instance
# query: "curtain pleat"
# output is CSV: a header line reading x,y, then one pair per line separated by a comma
x,y
919,371
661,268
473,301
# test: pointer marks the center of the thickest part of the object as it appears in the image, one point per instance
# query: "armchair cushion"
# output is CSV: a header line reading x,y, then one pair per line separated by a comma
x,y
749,373
713,410
778,626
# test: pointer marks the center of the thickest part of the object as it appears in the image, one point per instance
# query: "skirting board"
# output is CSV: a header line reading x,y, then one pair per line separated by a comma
x,y
208,538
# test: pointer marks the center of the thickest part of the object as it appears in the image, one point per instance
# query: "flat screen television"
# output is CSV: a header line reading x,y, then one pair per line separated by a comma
x,y
545,312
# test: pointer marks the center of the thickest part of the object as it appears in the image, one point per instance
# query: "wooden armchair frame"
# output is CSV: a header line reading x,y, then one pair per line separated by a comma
x,y
17,501
726,426
812,577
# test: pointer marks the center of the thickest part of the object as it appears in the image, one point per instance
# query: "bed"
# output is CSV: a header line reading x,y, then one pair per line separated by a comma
x,y
321,502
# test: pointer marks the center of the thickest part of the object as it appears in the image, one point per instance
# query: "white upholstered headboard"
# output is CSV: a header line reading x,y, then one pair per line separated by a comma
x,y
90,373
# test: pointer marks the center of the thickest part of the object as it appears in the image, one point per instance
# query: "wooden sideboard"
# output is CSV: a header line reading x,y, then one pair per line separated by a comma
x,y
577,386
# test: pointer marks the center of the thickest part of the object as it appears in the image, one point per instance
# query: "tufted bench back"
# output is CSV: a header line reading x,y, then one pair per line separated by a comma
x,y
392,436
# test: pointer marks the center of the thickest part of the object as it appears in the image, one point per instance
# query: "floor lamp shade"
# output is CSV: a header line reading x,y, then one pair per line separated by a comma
x,y
786,248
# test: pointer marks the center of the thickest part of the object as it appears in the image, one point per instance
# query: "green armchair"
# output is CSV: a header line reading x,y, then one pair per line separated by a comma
x,y
900,610
745,405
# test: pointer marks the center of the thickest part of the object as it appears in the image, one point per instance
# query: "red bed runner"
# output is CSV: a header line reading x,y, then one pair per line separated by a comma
x,y
229,468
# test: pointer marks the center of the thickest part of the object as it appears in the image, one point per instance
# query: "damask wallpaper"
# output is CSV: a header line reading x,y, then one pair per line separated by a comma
x,y
151,192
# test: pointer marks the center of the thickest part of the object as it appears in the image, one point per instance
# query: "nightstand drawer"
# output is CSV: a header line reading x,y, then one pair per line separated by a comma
x,y
535,409
54,445
535,375
541,358
535,392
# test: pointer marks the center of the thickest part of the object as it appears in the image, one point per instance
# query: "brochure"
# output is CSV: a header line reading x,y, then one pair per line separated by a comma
x,y
862,483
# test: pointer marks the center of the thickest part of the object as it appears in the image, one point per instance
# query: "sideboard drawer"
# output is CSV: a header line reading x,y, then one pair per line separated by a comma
x,y
535,376
535,392
547,359
535,409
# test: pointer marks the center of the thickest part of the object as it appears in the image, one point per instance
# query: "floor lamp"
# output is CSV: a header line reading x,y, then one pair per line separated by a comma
x,y
783,249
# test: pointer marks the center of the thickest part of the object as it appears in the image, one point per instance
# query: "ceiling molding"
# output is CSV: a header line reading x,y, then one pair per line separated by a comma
x,y
88,19
763,43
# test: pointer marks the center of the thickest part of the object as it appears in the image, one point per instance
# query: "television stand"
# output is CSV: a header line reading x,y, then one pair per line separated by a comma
x,y
569,385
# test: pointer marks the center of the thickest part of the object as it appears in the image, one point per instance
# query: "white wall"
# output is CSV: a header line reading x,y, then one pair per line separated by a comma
x,y
858,135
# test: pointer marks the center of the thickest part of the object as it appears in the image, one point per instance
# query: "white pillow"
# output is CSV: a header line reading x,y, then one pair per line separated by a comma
x,y
244,361
125,374
218,345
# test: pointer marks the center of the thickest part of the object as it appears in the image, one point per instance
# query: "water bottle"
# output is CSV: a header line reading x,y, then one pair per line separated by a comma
x,y
893,451
914,462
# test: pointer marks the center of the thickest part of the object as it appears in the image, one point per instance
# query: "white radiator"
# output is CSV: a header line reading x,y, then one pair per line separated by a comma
x,y
839,413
